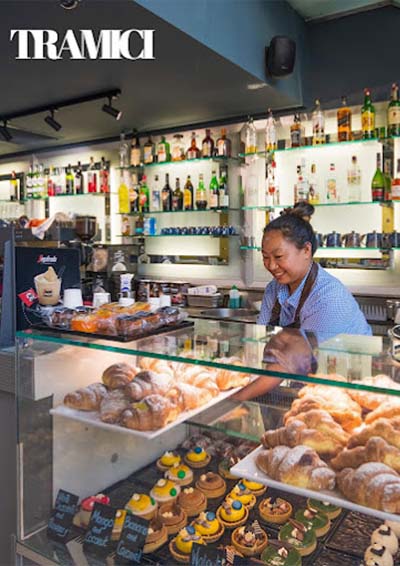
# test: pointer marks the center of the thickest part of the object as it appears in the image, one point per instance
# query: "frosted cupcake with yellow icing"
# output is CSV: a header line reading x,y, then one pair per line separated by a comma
x,y
256,488
181,546
232,513
180,474
197,458
142,505
167,460
165,490
208,526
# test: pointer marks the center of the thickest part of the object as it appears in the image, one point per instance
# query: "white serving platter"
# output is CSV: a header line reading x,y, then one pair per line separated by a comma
x,y
92,417
247,469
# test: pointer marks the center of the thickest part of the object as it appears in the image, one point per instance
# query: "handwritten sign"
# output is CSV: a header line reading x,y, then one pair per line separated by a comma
x,y
60,522
206,556
100,528
133,537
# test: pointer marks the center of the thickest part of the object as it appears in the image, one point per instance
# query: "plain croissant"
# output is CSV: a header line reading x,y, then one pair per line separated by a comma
x,y
151,413
87,398
148,383
375,450
188,397
118,375
388,429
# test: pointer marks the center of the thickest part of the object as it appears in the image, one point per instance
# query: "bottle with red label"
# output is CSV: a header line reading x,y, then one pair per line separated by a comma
x,y
92,177
104,177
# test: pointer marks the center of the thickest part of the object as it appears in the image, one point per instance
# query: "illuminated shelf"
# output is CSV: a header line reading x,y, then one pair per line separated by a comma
x,y
328,251
182,161
64,195
363,203
218,210
178,236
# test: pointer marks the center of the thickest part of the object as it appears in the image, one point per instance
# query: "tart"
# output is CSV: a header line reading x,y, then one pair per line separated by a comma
x,y
280,554
181,546
192,500
118,524
208,526
197,457
318,521
226,464
250,540
87,507
300,536
275,510
157,535
180,474
256,488
243,494
172,516
331,511
142,505
212,485
167,460
165,490
232,513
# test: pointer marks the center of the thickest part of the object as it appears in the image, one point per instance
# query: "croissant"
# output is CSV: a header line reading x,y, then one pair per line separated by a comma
x,y
300,466
227,379
370,400
388,409
152,413
373,485
87,398
207,381
147,383
113,405
188,397
118,375
323,421
375,450
388,429
156,365
188,372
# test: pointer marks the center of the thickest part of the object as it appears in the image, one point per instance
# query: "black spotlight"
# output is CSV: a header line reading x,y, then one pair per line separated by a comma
x,y
109,109
50,121
5,132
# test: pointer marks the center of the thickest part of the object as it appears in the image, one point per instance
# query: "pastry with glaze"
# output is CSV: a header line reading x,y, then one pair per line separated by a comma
x,y
180,474
197,457
165,490
232,513
167,460
209,527
300,536
280,553
142,505
318,521
243,494
328,509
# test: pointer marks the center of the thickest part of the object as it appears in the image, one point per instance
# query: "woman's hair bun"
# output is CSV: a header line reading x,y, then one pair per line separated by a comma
x,y
300,209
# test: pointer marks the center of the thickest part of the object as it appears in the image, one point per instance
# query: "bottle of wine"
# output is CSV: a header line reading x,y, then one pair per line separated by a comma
x,y
378,182
177,197
166,195
214,202
201,194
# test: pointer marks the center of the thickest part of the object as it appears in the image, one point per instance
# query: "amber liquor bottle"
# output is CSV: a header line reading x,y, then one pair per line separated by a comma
x,y
344,121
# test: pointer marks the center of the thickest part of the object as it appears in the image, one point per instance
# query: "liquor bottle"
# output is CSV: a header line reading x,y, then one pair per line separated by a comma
x,y
69,180
58,181
156,195
223,192
296,132
136,152
13,186
387,169
139,225
125,225
29,183
178,150
223,145
144,196
92,177
378,182
368,116
270,184
344,121
207,146
332,194
79,179
201,194
250,137
123,151
163,152
177,197
123,195
394,112
104,177
188,194
149,151
318,124
166,195
193,151
303,185
270,132
354,181
395,190
313,191
51,182
134,189
214,202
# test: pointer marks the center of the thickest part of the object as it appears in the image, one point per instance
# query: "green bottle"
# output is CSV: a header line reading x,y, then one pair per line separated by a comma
x,y
214,191
394,112
378,182
144,196
368,116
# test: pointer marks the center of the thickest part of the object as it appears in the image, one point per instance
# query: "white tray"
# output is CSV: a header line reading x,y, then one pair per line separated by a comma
x,y
92,417
247,469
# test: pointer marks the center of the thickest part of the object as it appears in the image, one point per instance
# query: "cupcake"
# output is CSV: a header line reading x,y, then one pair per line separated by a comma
x,y
244,495
232,513
226,464
256,488
167,460
180,474
118,524
300,536
280,554
172,516
208,526
212,485
331,511
181,546
318,521
378,555
250,540
275,510
192,500
142,505
384,536
87,505
165,490
197,457
156,536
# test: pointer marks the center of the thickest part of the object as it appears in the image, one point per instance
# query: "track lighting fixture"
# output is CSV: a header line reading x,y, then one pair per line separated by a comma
x,y
5,132
50,121
109,109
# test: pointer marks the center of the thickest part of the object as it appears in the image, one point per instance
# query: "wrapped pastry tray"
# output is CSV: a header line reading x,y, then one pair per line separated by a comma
x,y
247,468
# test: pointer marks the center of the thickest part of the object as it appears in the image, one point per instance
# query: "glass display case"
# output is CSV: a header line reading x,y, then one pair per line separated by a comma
x,y
207,395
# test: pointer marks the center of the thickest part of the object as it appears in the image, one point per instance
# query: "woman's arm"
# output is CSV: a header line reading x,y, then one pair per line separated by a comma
x,y
258,387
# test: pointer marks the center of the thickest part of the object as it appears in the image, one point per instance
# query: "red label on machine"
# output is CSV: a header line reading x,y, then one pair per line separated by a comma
x,y
28,297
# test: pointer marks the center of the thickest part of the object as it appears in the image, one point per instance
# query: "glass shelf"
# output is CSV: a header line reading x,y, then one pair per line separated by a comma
x,y
182,161
363,203
64,195
177,235
302,357
218,210
321,249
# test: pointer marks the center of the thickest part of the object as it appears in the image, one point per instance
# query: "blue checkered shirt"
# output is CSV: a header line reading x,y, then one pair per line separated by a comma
x,y
329,308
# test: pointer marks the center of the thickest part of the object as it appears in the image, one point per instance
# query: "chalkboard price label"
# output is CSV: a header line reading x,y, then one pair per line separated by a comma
x,y
206,556
100,528
60,522
133,537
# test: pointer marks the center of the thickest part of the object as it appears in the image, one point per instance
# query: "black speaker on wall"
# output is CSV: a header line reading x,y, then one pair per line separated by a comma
x,y
280,56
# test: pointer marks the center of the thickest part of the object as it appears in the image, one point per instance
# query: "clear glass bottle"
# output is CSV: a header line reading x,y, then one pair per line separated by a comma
x,y
332,194
270,132
354,181
69,180
318,124
250,134
156,195
123,151
178,150
303,185
136,152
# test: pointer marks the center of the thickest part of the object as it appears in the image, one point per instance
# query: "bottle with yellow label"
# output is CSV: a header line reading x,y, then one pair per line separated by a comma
x,y
368,116
123,195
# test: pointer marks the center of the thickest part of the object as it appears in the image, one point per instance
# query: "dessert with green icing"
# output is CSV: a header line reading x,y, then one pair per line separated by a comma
x,y
280,553
318,521
301,537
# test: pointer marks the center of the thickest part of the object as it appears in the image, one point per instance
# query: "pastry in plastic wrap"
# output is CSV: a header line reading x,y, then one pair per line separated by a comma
x,y
87,398
129,325
388,429
118,375
113,406
148,383
152,413
84,322
375,450
300,466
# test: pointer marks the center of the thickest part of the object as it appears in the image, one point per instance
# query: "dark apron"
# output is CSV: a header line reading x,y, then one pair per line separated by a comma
x,y
308,285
